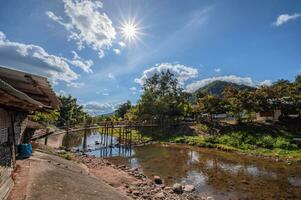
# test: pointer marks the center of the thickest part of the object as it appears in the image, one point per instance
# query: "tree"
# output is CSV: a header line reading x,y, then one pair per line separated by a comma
x,y
71,111
46,118
210,105
163,99
122,109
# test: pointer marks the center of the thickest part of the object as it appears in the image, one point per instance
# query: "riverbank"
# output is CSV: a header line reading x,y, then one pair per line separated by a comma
x,y
267,141
128,181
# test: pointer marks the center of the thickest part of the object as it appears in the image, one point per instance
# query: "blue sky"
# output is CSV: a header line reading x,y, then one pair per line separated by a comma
x,y
84,50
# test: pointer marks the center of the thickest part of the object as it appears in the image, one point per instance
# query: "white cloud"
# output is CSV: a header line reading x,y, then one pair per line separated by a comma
x,y
61,92
284,18
116,51
266,83
217,70
34,59
96,108
111,76
133,88
182,72
232,78
105,94
87,25
81,63
121,44
75,84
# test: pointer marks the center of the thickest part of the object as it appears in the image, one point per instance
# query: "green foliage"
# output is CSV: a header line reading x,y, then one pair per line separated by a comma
x,y
266,142
46,117
202,127
123,109
283,143
163,101
211,105
71,111
65,155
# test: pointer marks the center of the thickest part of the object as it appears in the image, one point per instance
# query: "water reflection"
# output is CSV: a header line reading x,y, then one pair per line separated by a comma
x,y
220,174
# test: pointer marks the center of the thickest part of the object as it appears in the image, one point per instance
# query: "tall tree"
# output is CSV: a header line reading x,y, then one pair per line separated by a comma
x,y
163,99
211,105
122,109
71,111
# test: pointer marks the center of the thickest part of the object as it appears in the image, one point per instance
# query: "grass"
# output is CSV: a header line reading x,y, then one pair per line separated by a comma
x,y
244,142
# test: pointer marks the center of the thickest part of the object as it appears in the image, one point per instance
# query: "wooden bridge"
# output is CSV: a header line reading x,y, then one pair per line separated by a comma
x,y
121,130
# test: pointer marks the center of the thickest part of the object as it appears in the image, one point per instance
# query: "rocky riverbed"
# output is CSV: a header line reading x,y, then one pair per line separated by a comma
x,y
133,183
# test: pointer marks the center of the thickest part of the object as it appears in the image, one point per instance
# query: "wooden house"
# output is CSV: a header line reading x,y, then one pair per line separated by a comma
x,y
20,95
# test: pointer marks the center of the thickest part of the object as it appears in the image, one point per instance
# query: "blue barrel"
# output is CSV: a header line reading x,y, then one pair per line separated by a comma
x,y
25,150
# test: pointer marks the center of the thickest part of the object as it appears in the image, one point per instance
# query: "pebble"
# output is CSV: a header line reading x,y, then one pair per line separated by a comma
x,y
160,195
188,188
177,188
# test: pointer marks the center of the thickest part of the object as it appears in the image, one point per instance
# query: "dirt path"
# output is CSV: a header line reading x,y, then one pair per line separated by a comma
x,y
49,177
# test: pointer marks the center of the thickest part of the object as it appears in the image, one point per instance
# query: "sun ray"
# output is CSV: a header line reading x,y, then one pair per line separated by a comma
x,y
130,30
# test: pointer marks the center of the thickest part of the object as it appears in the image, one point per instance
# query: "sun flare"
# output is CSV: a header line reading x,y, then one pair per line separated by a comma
x,y
130,30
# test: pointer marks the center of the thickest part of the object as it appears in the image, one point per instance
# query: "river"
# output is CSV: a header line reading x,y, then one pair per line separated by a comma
x,y
222,175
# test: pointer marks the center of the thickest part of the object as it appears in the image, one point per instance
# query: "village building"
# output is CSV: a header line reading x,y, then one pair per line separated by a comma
x,y
20,95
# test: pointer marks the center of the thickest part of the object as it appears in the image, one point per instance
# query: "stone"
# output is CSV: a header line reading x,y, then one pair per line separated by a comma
x,y
188,188
157,180
160,195
210,198
177,188
136,192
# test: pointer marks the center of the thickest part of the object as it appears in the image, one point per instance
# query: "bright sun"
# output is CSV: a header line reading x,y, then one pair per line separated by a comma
x,y
130,30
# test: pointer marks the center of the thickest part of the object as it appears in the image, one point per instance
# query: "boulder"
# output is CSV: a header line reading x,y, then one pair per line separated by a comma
x,y
177,188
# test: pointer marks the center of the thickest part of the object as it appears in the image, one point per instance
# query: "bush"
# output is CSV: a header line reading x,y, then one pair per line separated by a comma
x,y
239,139
283,143
202,127
266,142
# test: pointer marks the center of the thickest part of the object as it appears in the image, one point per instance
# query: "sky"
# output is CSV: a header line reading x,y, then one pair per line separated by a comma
x,y
101,52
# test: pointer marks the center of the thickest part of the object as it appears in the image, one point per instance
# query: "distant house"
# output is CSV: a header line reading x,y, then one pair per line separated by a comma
x,y
20,95
268,116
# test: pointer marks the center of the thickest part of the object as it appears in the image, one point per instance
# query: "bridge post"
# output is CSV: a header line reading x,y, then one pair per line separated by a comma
x,y
112,132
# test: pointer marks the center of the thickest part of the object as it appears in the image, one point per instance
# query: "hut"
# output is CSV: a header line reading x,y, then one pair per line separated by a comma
x,y
21,94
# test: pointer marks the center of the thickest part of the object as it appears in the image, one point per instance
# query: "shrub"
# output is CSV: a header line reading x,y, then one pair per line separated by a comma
x,y
283,143
266,142
211,139
202,127
239,139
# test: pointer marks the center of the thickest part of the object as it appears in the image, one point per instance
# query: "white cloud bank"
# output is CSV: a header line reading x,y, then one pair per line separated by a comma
x,y
34,59
96,108
266,83
284,18
182,72
86,25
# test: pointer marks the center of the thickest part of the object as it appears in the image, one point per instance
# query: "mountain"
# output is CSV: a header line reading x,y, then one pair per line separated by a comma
x,y
216,88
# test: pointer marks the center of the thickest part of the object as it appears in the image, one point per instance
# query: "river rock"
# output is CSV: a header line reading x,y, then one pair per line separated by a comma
x,y
177,188
160,195
157,180
136,192
188,188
